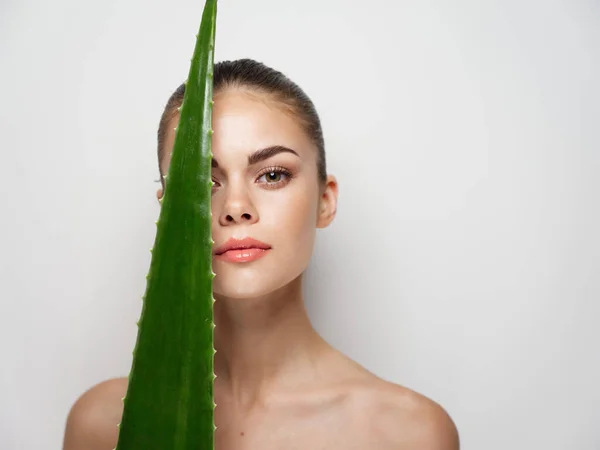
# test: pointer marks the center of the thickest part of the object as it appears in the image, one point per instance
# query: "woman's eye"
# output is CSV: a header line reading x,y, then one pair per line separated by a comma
x,y
274,176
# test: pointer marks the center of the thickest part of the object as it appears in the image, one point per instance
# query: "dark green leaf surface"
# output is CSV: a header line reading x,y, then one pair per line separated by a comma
x,y
169,403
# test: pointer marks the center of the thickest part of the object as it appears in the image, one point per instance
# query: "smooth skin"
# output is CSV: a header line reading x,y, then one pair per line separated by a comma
x,y
279,385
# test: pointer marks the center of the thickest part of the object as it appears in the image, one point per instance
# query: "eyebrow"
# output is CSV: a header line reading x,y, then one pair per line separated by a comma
x,y
262,154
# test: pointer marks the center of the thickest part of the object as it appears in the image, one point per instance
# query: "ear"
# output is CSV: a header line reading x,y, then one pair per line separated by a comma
x,y
327,202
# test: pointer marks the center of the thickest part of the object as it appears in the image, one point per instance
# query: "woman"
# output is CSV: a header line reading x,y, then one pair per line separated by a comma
x,y
279,385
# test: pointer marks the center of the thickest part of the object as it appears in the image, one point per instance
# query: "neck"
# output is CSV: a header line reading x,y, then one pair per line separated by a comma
x,y
264,344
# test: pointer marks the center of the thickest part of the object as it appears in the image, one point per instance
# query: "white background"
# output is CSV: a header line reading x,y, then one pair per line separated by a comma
x,y
464,259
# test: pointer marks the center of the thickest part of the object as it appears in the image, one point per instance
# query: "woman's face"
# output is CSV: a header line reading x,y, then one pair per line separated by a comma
x,y
266,188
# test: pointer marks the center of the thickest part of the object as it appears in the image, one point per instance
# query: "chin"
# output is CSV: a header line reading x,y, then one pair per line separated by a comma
x,y
241,293
246,287
248,281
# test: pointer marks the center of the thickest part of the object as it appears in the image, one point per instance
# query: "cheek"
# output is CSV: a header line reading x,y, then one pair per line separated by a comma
x,y
291,223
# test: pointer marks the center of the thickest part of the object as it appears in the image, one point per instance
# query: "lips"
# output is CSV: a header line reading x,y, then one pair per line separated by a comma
x,y
241,250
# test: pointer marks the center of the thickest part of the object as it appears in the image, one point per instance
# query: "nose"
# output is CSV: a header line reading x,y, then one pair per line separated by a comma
x,y
237,208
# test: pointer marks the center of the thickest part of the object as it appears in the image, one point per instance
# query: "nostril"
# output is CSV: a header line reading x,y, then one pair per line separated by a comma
x,y
244,216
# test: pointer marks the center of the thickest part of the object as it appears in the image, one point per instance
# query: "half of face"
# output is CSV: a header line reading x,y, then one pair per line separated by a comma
x,y
267,200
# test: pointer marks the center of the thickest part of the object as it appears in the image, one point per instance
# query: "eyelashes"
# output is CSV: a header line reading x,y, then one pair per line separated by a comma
x,y
282,175
272,177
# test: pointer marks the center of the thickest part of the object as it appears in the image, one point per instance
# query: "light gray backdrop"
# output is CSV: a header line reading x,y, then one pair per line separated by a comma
x,y
464,259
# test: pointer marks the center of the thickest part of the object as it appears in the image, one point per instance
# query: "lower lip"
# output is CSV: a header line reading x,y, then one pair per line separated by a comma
x,y
245,255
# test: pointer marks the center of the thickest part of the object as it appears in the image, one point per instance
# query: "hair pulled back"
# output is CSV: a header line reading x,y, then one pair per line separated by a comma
x,y
250,74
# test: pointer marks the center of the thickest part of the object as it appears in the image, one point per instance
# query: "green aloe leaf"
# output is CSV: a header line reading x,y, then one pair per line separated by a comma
x,y
169,403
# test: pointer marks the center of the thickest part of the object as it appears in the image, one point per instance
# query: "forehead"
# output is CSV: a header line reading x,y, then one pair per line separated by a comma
x,y
246,121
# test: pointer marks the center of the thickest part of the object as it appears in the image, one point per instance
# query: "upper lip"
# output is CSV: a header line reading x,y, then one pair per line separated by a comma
x,y
239,244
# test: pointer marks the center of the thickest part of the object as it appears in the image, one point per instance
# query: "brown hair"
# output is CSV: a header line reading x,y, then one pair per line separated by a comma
x,y
247,73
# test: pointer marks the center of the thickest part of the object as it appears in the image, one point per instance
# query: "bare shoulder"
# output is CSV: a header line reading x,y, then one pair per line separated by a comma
x,y
399,418
93,418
